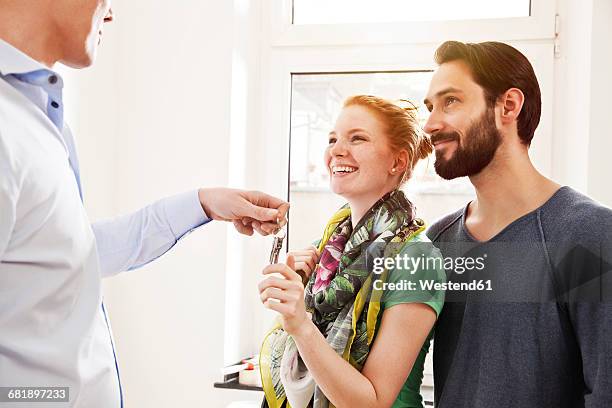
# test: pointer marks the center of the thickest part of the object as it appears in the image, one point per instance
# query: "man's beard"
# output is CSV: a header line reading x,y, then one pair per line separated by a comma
x,y
479,146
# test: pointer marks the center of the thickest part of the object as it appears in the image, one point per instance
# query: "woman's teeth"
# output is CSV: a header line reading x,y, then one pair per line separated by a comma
x,y
343,169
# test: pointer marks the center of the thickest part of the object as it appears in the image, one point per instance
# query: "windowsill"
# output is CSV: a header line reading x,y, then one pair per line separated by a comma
x,y
233,384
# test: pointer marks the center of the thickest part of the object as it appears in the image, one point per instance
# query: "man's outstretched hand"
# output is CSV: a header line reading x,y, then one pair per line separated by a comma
x,y
248,210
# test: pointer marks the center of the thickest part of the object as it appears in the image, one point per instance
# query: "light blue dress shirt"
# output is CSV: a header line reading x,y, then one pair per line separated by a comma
x,y
126,242
121,244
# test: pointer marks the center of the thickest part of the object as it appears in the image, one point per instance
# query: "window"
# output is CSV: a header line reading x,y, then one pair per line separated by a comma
x,y
313,57
386,11
361,22
316,101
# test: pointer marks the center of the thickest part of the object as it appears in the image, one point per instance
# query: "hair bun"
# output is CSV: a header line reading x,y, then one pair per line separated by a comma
x,y
425,147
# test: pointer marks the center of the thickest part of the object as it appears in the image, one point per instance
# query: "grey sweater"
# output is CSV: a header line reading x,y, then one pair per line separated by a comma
x,y
542,337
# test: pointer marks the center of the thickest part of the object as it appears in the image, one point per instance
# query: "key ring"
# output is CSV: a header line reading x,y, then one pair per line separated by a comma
x,y
277,245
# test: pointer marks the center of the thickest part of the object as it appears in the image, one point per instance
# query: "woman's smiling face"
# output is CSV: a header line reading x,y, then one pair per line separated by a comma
x,y
359,158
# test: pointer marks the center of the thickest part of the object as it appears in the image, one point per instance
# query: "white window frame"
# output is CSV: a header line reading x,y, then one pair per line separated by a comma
x,y
276,97
278,15
288,49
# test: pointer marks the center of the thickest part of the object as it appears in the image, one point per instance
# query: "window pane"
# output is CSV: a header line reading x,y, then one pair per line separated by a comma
x,y
316,102
386,11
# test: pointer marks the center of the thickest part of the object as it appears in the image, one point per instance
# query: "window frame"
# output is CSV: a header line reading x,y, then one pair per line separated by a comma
x,y
278,18
280,64
286,49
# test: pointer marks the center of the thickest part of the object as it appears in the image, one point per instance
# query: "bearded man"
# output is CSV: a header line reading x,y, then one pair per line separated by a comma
x,y
540,334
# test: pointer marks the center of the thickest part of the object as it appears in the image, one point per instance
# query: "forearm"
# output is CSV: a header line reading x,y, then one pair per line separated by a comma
x,y
341,383
381,378
133,240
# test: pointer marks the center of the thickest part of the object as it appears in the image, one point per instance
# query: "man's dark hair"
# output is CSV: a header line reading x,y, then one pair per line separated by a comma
x,y
497,67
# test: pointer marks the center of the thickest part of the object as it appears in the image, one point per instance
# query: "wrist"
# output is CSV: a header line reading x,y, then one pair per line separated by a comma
x,y
305,330
204,195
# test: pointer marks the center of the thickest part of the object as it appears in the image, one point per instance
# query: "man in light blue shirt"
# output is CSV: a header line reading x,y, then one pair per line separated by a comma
x,y
54,331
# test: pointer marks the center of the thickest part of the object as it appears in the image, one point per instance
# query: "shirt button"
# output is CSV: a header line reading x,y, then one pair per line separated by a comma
x,y
55,104
53,79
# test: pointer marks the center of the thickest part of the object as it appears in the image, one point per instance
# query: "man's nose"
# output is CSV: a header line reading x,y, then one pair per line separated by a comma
x,y
109,16
433,124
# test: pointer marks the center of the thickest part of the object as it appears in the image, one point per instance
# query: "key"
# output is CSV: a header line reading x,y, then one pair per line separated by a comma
x,y
277,245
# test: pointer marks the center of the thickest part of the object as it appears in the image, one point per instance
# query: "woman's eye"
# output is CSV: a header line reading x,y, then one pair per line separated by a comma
x,y
332,140
357,138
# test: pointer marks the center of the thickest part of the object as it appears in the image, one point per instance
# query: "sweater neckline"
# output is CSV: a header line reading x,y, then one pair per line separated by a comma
x,y
523,217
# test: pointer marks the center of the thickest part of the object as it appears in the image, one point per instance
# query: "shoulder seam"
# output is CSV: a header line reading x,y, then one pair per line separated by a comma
x,y
447,226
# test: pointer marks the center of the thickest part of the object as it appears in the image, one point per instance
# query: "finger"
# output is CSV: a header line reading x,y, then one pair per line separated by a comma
x,y
315,251
281,308
291,262
275,293
310,253
265,207
310,262
265,200
282,214
273,282
304,262
261,214
303,252
303,267
269,227
284,270
257,227
292,271
243,229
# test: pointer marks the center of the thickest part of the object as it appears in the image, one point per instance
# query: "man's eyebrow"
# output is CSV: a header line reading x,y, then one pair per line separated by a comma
x,y
443,92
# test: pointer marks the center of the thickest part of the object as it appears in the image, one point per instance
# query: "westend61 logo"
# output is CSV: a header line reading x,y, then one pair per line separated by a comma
x,y
412,264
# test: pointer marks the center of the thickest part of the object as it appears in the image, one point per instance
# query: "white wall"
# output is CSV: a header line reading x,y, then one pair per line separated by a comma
x,y
172,104
152,119
581,133
600,138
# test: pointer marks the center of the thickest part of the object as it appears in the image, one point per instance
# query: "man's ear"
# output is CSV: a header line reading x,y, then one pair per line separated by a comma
x,y
512,102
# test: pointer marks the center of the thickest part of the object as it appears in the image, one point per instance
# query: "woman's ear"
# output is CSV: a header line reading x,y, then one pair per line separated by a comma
x,y
512,103
400,163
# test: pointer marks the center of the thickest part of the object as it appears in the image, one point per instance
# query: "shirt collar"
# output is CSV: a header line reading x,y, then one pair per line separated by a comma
x,y
14,61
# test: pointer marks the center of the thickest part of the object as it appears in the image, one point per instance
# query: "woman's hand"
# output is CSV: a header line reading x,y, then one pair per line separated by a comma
x,y
306,260
285,295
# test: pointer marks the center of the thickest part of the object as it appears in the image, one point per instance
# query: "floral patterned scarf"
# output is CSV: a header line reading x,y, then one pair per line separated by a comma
x,y
340,295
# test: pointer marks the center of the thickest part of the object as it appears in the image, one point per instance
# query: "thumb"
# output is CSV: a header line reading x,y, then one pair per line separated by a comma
x,y
290,262
261,214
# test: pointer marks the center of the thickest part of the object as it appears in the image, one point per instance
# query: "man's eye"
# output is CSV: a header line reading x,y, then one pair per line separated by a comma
x,y
450,100
357,138
332,140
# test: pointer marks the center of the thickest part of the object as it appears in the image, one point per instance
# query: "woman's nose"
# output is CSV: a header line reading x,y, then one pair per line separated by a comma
x,y
338,148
